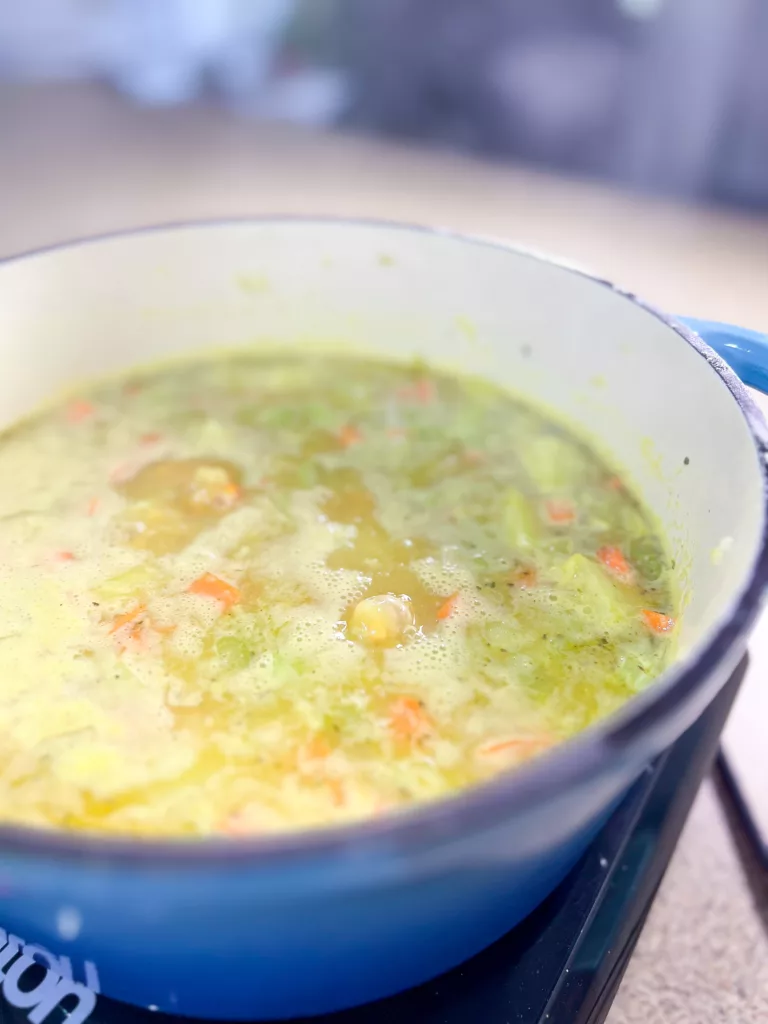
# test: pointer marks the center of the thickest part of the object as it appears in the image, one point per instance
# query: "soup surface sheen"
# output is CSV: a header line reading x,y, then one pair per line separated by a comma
x,y
255,593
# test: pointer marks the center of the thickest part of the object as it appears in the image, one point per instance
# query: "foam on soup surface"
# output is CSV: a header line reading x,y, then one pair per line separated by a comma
x,y
255,593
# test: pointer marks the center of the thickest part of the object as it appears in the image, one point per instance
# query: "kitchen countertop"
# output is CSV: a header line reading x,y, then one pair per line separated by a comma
x,y
77,161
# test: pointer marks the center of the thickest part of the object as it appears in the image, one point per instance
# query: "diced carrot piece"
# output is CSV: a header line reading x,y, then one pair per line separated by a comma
x,y
228,496
423,390
615,562
408,719
79,410
248,820
317,749
338,792
613,483
211,586
473,457
92,507
135,633
151,438
136,618
349,435
426,390
163,630
125,617
560,511
525,578
235,825
525,745
447,607
121,472
128,625
64,556
657,621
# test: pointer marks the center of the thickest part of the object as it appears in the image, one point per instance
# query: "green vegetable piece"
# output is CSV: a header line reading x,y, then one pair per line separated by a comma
x,y
307,475
594,597
561,545
130,583
233,653
266,416
521,523
553,463
505,636
636,670
647,555
633,521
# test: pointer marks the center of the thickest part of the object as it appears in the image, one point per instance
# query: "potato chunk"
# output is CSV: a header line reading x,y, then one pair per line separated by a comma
x,y
381,621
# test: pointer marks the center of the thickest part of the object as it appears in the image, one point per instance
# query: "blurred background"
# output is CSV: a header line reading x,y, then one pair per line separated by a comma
x,y
669,96
630,136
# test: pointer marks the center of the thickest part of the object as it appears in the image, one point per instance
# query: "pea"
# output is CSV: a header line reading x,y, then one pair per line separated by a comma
x,y
646,554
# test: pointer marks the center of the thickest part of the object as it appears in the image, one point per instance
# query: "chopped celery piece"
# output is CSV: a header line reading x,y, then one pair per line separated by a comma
x,y
636,671
233,653
521,523
552,462
506,637
633,521
130,583
601,601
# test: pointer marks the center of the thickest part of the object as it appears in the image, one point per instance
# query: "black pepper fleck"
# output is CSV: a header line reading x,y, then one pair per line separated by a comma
x,y
686,461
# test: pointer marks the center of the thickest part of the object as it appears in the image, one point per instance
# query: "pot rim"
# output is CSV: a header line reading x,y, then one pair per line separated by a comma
x,y
516,792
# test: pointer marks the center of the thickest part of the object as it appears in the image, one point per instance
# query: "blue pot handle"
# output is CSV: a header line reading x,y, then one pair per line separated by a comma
x,y
746,352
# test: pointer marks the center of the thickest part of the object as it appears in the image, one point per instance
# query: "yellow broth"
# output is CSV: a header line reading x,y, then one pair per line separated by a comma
x,y
254,593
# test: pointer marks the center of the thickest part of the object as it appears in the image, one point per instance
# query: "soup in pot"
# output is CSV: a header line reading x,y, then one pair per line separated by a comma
x,y
256,592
